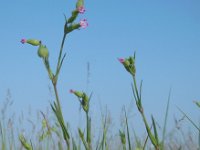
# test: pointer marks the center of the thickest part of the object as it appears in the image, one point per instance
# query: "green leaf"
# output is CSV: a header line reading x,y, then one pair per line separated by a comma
x,y
197,103
155,130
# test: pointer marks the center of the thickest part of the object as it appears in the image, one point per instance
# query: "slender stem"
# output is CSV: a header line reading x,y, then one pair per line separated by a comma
x,y
60,54
60,115
57,98
124,147
145,143
140,108
189,119
127,130
152,138
165,121
68,145
88,131
136,89
81,135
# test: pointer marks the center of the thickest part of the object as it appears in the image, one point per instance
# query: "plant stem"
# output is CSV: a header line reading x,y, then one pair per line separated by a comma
x,y
57,97
60,54
140,108
88,130
60,118
124,147
127,130
136,89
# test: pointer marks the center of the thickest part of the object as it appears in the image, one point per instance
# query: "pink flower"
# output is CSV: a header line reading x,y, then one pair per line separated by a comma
x,y
81,9
83,23
121,60
71,91
23,41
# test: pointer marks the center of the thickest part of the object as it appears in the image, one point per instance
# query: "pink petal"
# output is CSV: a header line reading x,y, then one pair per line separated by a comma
x,y
71,91
121,60
81,9
23,41
83,23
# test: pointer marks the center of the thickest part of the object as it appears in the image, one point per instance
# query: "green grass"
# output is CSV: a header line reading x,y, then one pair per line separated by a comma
x,y
48,134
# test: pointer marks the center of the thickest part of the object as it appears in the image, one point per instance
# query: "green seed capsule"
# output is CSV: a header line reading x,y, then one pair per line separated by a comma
x,y
73,17
126,63
33,42
43,51
72,27
85,98
78,94
79,3
131,60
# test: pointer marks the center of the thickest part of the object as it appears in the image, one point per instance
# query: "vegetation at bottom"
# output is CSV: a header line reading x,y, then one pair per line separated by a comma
x,y
52,132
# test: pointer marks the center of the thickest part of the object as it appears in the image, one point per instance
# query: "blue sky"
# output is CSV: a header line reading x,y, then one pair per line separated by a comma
x,y
164,34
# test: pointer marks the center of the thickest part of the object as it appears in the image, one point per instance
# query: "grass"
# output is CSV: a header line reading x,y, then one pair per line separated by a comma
x,y
48,135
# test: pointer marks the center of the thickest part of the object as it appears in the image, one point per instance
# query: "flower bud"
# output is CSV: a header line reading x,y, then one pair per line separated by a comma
x,y
129,64
73,17
33,42
79,3
23,41
131,60
132,68
85,98
126,63
72,27
121,60
83,23
85,102
77,93
81,9
43,51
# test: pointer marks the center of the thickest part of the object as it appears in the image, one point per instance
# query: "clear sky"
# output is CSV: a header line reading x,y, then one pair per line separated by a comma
x,y
164,34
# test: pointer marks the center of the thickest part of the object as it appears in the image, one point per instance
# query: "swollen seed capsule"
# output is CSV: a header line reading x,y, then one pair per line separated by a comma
x,y
43,51
33,42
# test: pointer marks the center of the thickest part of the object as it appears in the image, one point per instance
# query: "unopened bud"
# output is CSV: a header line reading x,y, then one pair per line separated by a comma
x,y
126,63
33,42
85,102
43,51
79,3
131,60
72,27
77,93
129,64
85,98
73,17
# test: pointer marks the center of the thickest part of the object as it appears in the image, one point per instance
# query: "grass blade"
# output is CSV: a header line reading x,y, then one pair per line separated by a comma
x,y
192,122
165,121
127,130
